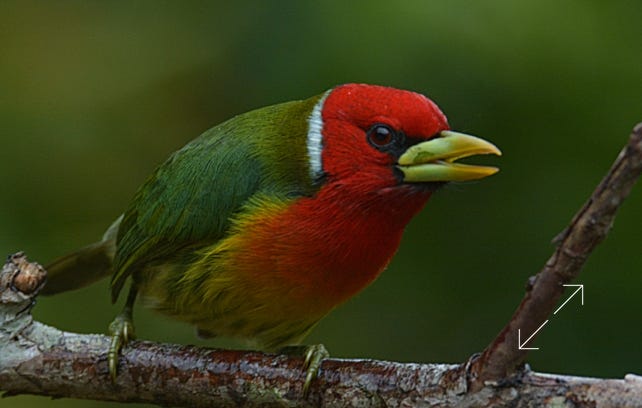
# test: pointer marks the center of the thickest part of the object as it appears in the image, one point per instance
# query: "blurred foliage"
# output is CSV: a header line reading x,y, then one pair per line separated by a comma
x,y
95,94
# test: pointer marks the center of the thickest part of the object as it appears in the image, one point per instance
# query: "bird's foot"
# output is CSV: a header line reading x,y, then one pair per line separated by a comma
x,y
121,331
313,357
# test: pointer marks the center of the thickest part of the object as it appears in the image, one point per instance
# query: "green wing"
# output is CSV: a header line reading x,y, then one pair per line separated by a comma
x,y
189,200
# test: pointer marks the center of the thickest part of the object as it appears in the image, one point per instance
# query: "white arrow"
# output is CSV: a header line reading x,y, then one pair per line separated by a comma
x,y
580,288
519,338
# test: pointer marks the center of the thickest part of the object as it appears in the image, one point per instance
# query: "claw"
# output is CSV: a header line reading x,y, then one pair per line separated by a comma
x,y
313,357
121,331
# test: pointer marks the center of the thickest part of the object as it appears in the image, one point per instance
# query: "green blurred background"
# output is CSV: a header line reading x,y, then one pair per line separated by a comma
x,y
94,95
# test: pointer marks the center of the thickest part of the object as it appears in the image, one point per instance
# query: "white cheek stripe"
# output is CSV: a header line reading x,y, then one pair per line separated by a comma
x,y
315,139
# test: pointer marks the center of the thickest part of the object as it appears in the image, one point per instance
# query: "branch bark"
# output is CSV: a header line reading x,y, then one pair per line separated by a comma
x,y
587,229
42,360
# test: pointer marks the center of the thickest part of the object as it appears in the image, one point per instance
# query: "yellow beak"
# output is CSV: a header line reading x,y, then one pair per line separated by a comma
x,y
433,160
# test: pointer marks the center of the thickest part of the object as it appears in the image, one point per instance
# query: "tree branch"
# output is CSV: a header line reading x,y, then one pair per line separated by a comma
x,y
587,229
38,359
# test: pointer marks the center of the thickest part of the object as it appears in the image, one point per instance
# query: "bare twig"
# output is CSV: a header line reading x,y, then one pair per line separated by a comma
x,y
588,228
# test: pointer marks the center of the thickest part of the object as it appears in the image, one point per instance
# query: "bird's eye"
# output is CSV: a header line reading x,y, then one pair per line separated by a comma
x,y
381,135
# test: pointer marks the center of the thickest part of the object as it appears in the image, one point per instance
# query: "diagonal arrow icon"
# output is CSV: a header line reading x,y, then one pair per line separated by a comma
x,y
580,288
521,345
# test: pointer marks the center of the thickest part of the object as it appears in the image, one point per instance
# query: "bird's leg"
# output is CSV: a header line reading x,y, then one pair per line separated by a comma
x,y
121,331
314,356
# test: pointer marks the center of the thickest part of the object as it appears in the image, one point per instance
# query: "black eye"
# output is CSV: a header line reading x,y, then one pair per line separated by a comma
x,y
381,135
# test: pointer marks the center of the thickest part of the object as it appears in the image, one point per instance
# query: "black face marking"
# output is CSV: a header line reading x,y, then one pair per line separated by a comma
x,y
414,187
393,141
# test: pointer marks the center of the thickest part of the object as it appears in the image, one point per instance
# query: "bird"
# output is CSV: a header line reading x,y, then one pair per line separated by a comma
x,y
265,223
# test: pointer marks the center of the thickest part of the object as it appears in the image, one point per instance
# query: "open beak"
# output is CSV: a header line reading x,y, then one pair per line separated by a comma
x,y
433,160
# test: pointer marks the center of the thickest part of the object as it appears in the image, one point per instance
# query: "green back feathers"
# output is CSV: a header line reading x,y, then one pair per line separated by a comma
x,y
188,202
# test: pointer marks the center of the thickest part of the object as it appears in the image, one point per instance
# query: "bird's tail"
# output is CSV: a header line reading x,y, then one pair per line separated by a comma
x,y
83,267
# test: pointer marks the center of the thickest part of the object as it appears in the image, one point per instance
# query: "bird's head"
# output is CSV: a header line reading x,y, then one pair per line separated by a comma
x,y
382,139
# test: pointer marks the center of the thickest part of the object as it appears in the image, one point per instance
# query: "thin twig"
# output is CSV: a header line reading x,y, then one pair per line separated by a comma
x,y
588,228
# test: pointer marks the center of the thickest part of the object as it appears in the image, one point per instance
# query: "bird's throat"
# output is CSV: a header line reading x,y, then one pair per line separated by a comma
x,y
322,250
